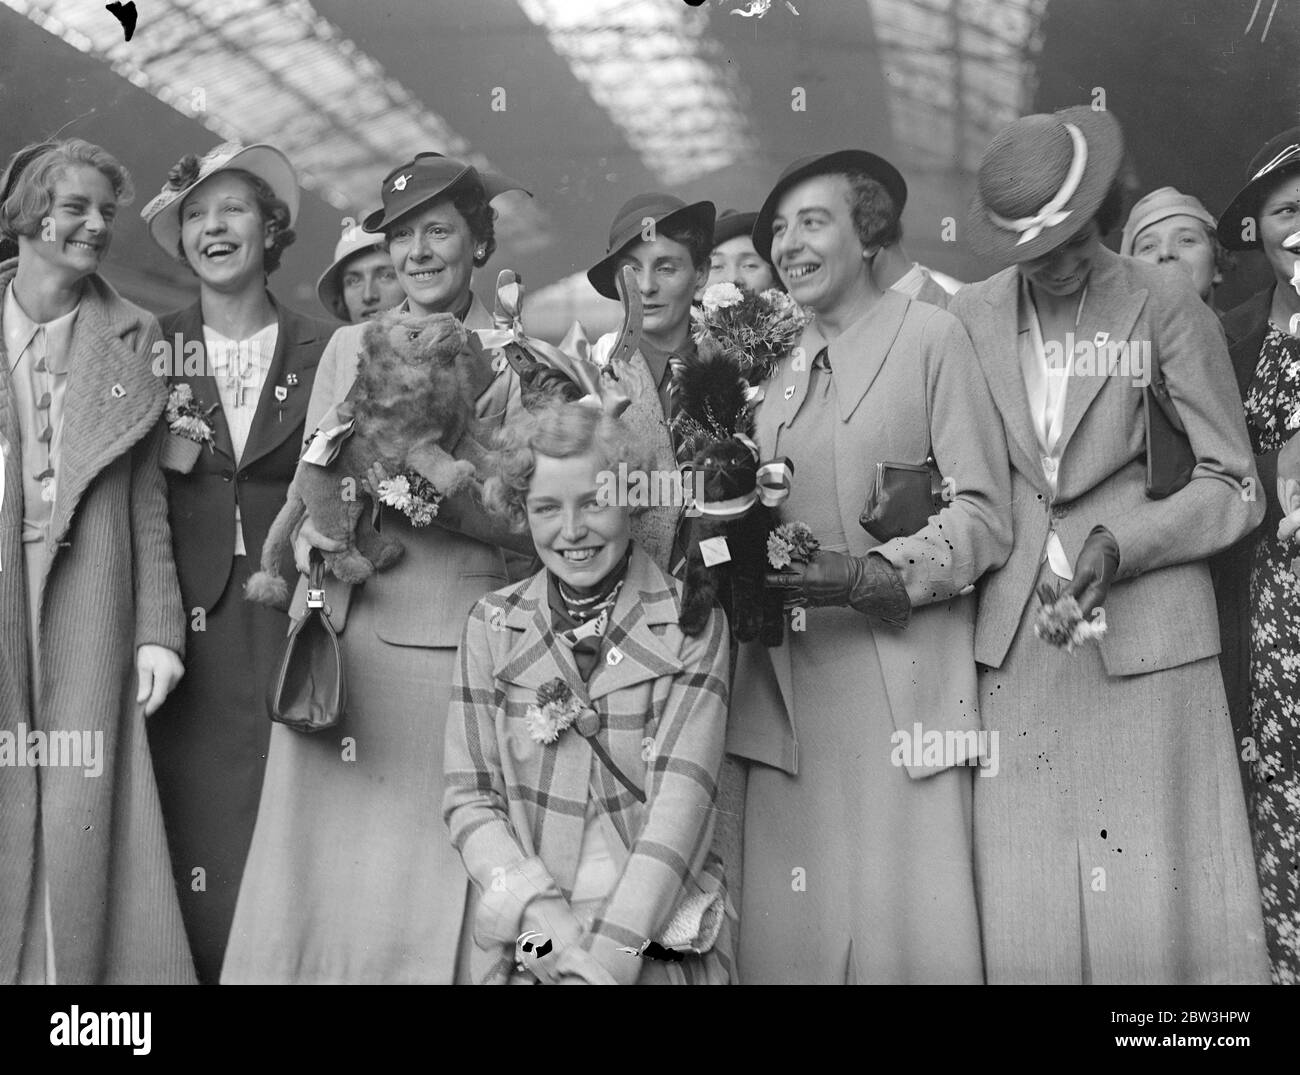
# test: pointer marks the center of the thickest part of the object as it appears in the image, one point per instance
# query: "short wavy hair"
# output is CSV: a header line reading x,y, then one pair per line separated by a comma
x,y
876,218
558,430
43,164
273,211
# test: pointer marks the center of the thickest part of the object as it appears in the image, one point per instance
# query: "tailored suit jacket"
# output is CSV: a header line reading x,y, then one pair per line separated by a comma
x,y
426,595
1160,612
906,379
516,808
203,501
108,586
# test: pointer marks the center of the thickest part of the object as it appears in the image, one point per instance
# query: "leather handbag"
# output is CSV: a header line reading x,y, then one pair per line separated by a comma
x,y
902,498
309,692
1170,459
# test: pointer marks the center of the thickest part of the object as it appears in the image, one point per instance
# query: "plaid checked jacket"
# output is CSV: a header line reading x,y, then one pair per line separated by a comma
x,y
516,808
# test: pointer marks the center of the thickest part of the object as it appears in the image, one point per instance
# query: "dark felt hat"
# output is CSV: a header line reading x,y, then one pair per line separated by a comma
x,y
843,160
1280,156
631,221
426,177
731,224
1041,180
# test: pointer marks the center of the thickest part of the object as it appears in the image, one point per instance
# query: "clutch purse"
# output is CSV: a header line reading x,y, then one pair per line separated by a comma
x,y
309,692
1170,459
901,499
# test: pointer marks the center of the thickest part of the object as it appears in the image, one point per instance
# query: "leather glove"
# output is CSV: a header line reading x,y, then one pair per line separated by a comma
x,y
870,584
1094,570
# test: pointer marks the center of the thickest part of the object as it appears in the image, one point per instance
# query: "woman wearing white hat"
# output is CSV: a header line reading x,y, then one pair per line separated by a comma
x,y
228,216
360,282
1168,227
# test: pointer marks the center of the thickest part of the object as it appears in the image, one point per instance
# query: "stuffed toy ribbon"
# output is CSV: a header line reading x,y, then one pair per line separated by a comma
x,y
772,487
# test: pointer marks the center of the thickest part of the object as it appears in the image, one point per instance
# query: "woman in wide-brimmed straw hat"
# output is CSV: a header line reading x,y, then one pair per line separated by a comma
x,y
1256,580
360,282
91,626
247,358
351,876
857,855
1112,846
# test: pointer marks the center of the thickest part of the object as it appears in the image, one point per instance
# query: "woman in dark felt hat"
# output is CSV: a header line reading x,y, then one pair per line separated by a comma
x,y
351,876
734,258
1112,846
857,861
1257,586
91,627
229,217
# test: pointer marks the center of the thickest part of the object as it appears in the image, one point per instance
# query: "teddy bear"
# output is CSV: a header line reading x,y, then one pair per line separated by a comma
x,y
411,403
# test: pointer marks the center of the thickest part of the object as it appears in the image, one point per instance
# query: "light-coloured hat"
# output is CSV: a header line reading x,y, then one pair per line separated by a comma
x,y
329,288
1160,205
162,214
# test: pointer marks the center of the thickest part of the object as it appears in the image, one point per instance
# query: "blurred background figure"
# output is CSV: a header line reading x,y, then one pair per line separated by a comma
x,y
361,282
1168,227
734,258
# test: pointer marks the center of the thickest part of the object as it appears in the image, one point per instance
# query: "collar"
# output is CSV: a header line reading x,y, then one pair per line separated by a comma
x,y
20,330
474,315
911,282
660,361
255,352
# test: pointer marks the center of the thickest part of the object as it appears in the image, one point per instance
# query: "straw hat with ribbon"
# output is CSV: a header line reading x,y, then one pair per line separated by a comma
x,y
1041,180
1280,156
163,213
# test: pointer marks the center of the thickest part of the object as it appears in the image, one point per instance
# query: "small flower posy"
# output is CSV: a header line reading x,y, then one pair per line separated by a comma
x,y
555,709
186,419
757,330
791,543
413,495
1060,621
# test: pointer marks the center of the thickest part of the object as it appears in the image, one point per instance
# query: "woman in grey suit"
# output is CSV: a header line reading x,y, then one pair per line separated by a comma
x,y
857,848
1112,846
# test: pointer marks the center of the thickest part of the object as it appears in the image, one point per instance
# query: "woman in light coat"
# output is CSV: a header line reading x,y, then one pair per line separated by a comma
x,y
1112,846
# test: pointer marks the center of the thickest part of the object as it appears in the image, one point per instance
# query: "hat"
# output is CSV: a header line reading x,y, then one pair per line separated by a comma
x,y
329,288
1041,180
1280,155
1160,205
162,214
631,220
428,176
731,225
844,160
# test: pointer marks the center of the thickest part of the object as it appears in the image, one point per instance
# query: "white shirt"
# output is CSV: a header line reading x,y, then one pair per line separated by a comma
x,y
240,368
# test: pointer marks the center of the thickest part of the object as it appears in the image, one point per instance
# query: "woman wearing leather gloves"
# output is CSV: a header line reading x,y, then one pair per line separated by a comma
x,y
1112,846
857,849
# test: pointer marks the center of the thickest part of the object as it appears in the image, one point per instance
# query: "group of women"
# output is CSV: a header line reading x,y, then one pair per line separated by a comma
x,y
526,785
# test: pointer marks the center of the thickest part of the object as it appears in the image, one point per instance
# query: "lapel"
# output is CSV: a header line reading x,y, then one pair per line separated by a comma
x,y
274,422
113,398
536,656
861,349
1111,307
1246,326
184,330
996,335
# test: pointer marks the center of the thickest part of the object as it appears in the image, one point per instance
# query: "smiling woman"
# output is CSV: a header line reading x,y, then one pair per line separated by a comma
x,y
90,617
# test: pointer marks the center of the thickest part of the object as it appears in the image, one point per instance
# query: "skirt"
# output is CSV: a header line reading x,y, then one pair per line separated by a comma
x,y
1112,846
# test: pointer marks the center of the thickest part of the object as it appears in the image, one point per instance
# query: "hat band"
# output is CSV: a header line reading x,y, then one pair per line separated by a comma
x,y
1054,212
1277,162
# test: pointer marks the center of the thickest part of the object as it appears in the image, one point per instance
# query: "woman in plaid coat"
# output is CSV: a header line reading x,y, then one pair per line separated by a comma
x,y
584,739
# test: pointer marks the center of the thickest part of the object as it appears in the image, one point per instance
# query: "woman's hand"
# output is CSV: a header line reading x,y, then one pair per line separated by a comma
x,y
870,584
1094,570
307,538
373,477
158,670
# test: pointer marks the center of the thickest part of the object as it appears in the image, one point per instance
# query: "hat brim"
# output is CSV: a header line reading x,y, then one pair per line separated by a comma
x,y
1245,205
1105,141
726,228
264,161
493,184
602,273
843,160
329,288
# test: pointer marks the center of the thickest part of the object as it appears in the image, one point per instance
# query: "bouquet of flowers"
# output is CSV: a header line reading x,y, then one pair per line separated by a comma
x,y
1060,621
190,427
755,330
791,543
413,495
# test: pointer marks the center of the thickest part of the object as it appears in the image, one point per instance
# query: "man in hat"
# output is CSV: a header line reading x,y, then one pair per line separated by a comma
x,y
1168,227
360,282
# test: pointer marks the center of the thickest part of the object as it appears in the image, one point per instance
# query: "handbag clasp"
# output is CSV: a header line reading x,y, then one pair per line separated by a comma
x,y
315,598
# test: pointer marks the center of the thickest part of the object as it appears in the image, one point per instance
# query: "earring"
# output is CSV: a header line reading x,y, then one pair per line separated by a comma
x,y
479,253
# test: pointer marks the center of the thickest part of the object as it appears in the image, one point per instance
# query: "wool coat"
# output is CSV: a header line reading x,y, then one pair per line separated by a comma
x,y
1112,847
108,587
516,807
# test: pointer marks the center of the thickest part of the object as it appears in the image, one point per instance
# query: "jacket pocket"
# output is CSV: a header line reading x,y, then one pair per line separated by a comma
x,y
434,614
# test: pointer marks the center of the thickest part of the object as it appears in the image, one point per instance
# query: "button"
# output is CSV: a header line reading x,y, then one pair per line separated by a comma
x,y
1060,512
226,475
1049,465
243,476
